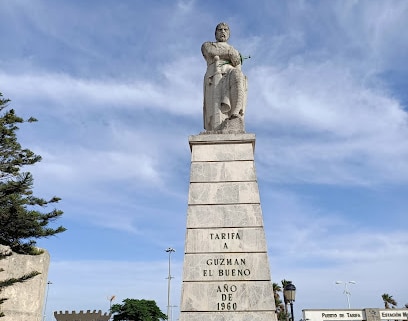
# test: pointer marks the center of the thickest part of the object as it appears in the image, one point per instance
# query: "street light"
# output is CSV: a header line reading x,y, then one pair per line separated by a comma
x,y
346,290
289,292
111,298
169,250
46,299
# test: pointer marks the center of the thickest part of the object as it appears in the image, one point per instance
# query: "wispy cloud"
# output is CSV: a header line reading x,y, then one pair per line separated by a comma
x,y
124,279
117,87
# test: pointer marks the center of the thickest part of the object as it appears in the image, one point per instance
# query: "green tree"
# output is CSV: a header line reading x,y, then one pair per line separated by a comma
x,y
389,301
22,221
137,310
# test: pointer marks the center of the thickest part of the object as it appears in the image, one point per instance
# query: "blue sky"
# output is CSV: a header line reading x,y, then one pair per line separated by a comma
x,y
117,88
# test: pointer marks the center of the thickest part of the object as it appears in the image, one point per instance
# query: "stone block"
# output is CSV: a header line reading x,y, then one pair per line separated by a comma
x,y
222,171
226,267
215,139
232,215
222,153
224,193
372,314
230,316
227,296
225,240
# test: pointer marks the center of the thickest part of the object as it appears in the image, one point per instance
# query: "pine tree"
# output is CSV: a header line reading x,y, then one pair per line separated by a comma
x,y
22,220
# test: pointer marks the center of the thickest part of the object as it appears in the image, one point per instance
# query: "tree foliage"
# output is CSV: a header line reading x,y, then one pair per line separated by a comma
x,y
137,310
389,301
22,221
281,309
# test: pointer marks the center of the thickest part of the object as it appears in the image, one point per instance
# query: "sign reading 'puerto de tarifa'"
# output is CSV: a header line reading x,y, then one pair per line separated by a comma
x,y
351,315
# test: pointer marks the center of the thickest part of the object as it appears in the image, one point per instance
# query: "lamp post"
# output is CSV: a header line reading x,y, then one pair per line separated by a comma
x,y
169,250
346,290
46,299
289,292
111,298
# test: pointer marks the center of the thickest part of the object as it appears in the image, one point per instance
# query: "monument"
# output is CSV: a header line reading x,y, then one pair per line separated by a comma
x,y
226,272
225,86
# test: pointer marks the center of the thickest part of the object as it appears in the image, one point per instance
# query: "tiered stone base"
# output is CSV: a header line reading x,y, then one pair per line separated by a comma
x,y
226,272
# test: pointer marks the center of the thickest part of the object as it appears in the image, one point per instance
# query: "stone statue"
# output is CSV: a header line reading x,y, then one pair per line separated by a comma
x,y
225,86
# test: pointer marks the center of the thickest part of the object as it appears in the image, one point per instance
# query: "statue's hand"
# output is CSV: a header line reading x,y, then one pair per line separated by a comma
x,y
234,57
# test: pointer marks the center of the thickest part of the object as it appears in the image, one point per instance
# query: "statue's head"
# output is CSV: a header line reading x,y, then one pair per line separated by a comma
x,y
222,32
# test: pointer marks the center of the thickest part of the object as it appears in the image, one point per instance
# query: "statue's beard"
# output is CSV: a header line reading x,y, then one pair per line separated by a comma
x,y
222,38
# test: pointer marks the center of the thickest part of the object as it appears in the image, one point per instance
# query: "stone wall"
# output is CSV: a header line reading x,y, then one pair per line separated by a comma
x,y
82,316
25,300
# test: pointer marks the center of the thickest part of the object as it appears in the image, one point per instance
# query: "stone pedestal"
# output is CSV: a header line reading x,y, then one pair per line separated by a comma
x,y
226,272
25,300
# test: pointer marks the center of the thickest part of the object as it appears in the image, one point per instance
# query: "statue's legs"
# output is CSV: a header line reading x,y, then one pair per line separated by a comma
x,y
237,93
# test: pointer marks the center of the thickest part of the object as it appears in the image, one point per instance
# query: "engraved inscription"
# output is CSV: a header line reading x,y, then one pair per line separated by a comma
x,y
226,266
226,272
226,297
225,236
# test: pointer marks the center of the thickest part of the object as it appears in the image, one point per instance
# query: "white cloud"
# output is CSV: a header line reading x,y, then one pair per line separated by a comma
x,y
377,37
328,126
324,96
319,103
92,166
68,95
300,225
96,280
314,248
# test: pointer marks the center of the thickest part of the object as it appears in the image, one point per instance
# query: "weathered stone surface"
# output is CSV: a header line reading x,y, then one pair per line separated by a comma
x,y
222,139
241,296
222,171
232,215
25,300
226,267
225,240
226,272
225,86
223,193
372,314
231,316
223,152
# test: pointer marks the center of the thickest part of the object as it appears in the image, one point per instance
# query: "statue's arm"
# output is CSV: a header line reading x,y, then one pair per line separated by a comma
x,y
234,57
223,50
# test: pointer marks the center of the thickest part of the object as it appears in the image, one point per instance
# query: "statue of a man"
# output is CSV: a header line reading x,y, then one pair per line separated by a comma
x,y
225,86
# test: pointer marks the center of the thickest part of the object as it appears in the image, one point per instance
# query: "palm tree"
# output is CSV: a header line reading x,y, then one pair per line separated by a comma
x,y
389,301
276,289
280,309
